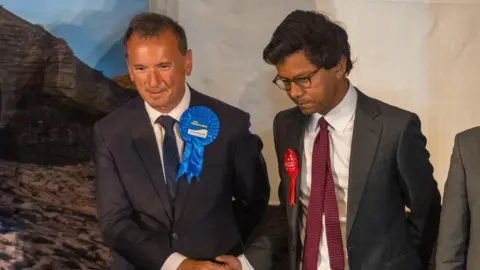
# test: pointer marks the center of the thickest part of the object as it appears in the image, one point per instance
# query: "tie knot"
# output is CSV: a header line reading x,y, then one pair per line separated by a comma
x,y
166,121
322,123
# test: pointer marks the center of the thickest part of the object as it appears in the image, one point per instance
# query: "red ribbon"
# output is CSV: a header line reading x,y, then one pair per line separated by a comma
x,y
291,166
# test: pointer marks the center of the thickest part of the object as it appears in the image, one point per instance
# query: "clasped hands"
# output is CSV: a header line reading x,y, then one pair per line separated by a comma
x,y
228,263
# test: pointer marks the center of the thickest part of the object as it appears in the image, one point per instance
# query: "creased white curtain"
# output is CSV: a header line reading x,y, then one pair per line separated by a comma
x,y
418,55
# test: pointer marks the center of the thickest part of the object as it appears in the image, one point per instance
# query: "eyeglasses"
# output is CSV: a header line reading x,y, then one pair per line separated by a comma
x,y
301,81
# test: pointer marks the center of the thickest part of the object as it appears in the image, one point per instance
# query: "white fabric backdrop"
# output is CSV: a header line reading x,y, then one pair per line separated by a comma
x,y
418,55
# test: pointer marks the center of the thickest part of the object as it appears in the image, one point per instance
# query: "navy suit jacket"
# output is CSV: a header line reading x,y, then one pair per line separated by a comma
x,y
213,215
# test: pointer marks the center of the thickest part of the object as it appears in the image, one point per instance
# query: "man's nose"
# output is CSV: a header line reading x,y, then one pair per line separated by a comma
x,y
295,91
153,80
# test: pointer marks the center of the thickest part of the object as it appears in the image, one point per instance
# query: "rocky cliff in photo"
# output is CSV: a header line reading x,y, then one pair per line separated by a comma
x,y
49,101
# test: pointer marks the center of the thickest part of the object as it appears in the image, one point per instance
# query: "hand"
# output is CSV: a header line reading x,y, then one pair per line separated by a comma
x,y
232,262
200,265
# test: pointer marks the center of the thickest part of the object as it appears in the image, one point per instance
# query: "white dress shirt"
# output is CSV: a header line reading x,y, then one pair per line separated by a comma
x,y
174,260
340,120
340,125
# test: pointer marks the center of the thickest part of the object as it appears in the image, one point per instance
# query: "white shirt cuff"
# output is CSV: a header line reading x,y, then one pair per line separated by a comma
x,y
173,261
244,262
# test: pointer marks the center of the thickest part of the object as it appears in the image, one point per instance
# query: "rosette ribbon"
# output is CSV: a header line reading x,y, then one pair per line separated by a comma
x,y
199,127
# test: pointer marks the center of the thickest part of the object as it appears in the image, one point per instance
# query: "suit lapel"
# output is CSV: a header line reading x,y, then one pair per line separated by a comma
x,y
183,187
290,135
365,139
146,145
295,132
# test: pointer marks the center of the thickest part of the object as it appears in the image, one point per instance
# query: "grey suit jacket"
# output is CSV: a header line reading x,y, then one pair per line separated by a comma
x,y
389,169
459,237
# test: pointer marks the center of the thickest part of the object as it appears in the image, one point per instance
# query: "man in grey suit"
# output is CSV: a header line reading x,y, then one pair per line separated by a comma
x,y
349,165
458,242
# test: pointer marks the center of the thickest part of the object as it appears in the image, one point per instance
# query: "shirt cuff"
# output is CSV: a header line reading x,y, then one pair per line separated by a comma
x,y
244,262
173,261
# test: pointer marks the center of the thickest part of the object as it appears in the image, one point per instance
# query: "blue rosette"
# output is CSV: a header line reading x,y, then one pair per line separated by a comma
x,y
199,127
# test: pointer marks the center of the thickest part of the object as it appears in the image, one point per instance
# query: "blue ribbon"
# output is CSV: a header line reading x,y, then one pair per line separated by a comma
x,y
199,126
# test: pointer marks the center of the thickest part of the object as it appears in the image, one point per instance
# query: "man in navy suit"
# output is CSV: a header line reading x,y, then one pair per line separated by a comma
x,y
148,218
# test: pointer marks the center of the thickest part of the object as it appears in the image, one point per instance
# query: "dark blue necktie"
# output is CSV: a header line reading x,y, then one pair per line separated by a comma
x,y
171,160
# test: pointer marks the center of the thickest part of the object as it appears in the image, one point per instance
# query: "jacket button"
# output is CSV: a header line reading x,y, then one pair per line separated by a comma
x,y
174,236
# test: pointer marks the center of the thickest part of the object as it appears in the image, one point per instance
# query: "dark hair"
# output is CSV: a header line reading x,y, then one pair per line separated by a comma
x,y
323,41
150,24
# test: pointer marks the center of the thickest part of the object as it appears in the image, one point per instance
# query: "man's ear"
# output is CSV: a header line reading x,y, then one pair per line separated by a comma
x,y
188,63
341,67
